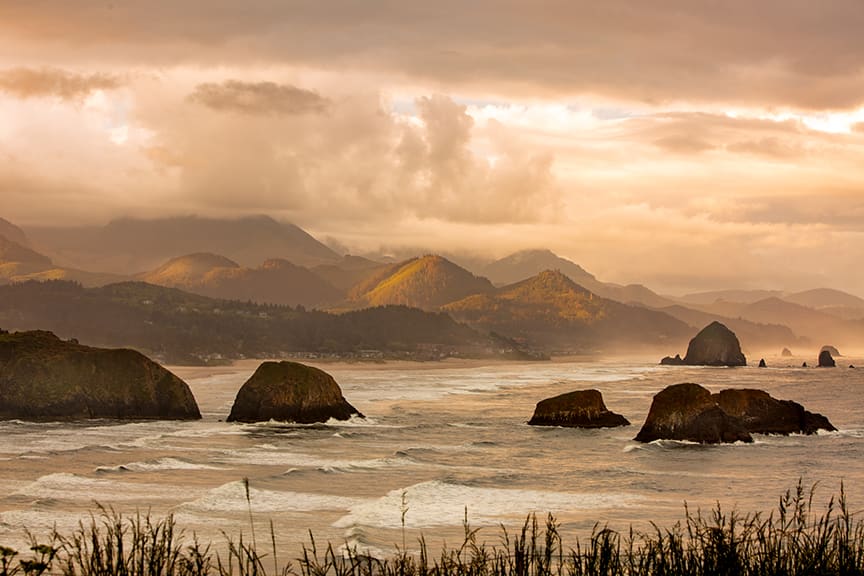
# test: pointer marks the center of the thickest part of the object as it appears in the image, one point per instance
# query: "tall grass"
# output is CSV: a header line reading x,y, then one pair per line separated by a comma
x,y
795,539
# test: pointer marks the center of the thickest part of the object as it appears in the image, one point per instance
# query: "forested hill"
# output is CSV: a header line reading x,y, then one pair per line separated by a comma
x,y
178,327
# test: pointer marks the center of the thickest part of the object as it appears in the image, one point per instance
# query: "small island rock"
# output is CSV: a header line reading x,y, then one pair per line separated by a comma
x,y
579,409
670,361
764,414
714,345
45,378
292,392
826,360
762,363
689,412
786,353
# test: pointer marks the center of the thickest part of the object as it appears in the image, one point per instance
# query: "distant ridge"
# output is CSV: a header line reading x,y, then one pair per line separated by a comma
x,y
19,264
427,283
276,281
130,246
527,263
551,310
13,233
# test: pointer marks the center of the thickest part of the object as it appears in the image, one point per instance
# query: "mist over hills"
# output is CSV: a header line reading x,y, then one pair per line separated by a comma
x,y
276,281
130,246
552,310
525,296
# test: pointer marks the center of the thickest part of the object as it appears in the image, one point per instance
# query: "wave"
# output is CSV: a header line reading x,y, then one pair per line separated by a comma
x,y
231,498
157,465
66,486
269,455
440,503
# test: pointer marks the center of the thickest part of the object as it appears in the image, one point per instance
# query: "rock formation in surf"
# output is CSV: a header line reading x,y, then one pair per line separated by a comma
x,y
45,378
826,360
762,363
672,361
690,412
832,349
764,414
786,353
579,409
714,345
292,392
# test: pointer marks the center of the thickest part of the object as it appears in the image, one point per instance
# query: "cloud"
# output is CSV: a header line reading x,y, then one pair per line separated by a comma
x,y
53,82
796,53
258,98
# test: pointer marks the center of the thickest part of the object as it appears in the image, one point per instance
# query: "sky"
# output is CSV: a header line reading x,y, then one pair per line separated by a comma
x,y
684,144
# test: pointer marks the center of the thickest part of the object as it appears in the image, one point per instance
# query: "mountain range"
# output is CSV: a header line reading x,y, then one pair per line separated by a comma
x,y
535,296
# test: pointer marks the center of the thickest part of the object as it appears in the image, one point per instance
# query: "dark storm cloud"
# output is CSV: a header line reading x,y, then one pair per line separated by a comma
x,y
258,98
771,52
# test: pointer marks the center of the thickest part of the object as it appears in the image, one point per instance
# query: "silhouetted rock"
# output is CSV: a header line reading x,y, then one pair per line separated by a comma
x,y
851,366
804,365
786,353
826,360
45,378
670,361
714,345
834,352
763,414
689,412
579,409
762,363
293,392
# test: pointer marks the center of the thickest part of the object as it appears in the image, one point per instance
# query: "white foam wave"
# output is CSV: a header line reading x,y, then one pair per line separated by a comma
x,y
65,486
271,456
157,465
231,497
438,503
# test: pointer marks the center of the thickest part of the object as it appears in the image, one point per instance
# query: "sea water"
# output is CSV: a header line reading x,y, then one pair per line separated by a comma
x,y
441,443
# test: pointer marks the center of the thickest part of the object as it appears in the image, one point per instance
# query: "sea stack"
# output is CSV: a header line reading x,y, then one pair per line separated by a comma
x,y
826,360
45,378
689,412
714,345
786,353
579,409
290,392
762,363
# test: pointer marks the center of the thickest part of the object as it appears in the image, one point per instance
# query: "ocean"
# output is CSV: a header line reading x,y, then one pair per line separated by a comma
x,y
442,442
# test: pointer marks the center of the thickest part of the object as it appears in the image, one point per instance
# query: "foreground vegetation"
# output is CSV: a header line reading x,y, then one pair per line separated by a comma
x,y
793,540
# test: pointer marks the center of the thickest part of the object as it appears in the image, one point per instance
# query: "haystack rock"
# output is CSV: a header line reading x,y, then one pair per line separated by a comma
x,y
762,363
292,392
579,409
826,360
45,378
714,345
763,414
786,353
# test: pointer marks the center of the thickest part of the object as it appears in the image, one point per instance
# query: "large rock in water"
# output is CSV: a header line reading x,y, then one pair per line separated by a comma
x,y
579,409
832,349
763,414
689,412
826,360
293,392
45,378
714,345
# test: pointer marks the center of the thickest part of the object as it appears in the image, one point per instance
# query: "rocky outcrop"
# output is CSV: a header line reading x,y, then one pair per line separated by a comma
x,y
826,360
670,361
45,378
689,412
763,414
579,409
786,353
714,345
292,392
833,350
762,363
